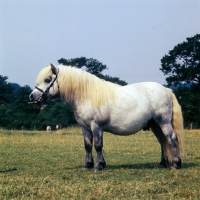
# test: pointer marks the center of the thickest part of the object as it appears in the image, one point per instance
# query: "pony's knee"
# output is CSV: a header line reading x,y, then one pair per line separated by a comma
x,y
98,146
98,140
88,143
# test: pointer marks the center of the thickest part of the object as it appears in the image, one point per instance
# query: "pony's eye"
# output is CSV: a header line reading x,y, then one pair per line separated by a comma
x,y
48,80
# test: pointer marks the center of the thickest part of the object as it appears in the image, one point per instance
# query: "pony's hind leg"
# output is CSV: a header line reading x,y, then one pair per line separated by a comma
x,y
88,139
162,140
171,146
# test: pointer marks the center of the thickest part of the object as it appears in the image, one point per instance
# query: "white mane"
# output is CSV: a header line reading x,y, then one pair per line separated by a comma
x,y
77,84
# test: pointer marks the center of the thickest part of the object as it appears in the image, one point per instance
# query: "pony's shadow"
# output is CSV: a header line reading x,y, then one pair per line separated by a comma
x,y
133,166
146,166
123,166
152,165
189,165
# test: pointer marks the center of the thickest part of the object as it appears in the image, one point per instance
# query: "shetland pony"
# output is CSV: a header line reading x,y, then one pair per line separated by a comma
x,y
101,106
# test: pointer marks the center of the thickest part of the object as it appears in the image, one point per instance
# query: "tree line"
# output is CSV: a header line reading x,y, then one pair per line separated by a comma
x,y
181,66
16,113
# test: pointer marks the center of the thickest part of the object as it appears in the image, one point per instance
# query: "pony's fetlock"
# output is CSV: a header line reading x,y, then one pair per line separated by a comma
x,y
164,163
99,166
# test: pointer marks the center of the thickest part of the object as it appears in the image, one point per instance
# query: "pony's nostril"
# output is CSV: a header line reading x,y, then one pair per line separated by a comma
x,y
31,96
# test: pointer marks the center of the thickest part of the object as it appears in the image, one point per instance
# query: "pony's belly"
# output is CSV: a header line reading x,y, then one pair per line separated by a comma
x,y
128,123
124,129
122,133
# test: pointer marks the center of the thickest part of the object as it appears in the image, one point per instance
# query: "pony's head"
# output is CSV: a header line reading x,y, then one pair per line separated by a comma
x,y
46,85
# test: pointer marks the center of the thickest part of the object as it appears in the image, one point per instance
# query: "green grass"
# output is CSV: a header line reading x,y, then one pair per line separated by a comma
x,y
49,167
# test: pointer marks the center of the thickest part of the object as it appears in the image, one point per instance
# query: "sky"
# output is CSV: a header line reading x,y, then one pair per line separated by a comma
x,y
129,36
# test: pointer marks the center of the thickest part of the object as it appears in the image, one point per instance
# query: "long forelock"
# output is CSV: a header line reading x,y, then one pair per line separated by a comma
x,y
44,73
77,84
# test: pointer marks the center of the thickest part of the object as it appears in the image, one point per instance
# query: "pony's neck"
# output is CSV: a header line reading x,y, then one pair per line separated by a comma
x,y
77,85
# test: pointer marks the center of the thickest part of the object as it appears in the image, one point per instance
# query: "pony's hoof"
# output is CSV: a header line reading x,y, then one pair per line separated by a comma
x,y
88,165
176,165
99,167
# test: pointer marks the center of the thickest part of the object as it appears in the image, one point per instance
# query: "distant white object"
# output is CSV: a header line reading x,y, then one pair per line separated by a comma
x,y
58,126
48,128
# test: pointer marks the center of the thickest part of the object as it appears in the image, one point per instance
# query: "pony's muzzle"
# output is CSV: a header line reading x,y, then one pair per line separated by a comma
x,y
33,99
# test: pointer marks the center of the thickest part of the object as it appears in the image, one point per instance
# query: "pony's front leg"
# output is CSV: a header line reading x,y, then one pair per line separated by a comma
x,y
162,140
98,144
164,160
88,138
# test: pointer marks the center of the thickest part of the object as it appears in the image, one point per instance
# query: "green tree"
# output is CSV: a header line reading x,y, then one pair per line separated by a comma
x,y
6,89
90,65
182,64
189,99
53,113
115,80
16,113
19,114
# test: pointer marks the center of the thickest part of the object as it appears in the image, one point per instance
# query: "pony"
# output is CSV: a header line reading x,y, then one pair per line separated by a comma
x,y
100,106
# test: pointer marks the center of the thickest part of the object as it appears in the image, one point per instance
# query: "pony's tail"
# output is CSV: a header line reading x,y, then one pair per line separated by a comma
x,y
177,123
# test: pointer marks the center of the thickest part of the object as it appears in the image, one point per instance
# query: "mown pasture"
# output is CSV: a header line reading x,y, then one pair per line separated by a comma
x,y
47,165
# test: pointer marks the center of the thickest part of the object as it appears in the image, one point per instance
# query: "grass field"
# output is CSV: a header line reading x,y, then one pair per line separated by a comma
x,y
47,165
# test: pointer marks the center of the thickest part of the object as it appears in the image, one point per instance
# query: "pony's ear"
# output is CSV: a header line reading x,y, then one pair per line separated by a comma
x,y
53,68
